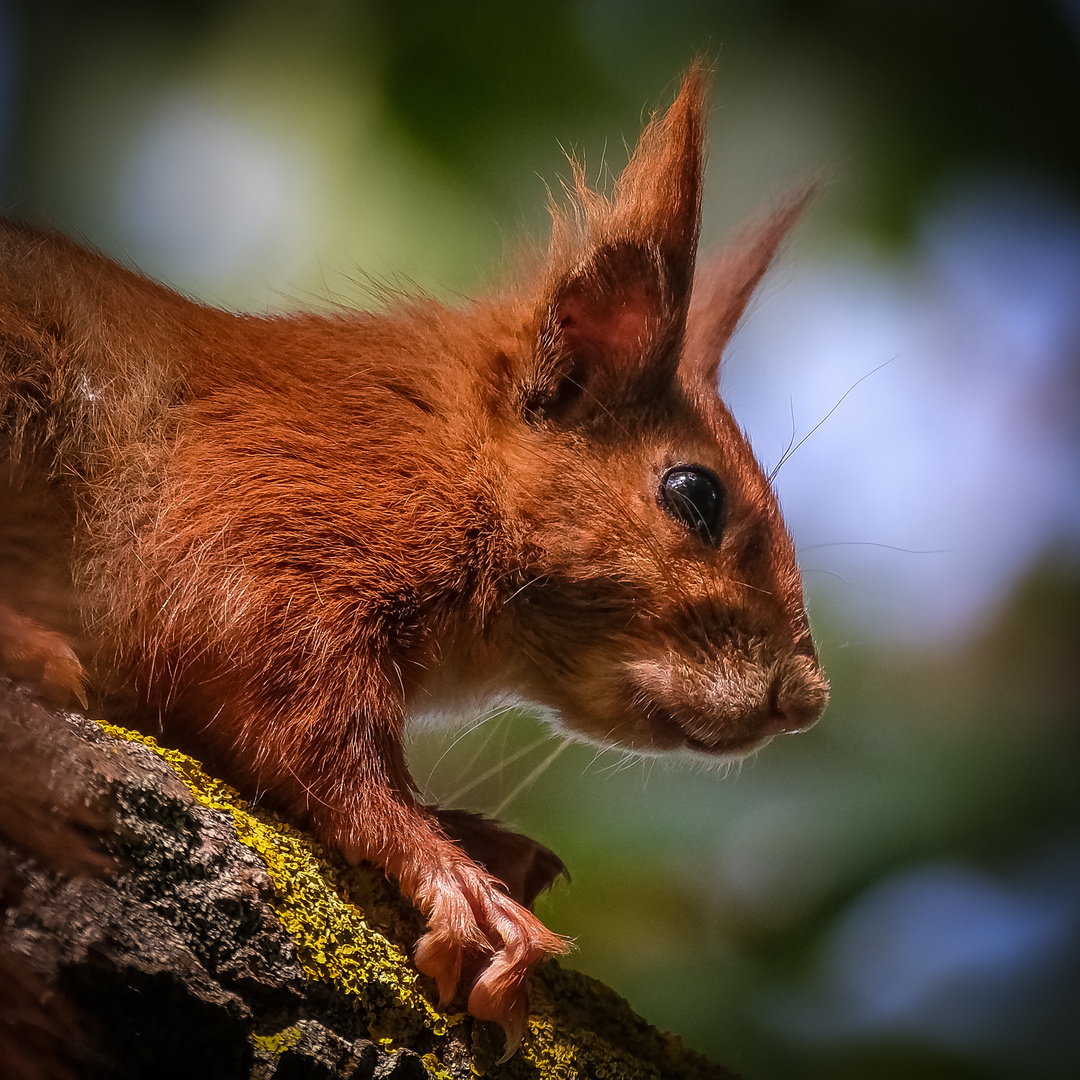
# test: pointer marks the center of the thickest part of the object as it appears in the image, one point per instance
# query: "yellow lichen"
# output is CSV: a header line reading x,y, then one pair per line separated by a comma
x,y
334,942
577,1027
279,1042
436,1067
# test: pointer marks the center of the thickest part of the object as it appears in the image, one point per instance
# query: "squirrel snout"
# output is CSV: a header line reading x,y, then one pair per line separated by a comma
x,y
727,707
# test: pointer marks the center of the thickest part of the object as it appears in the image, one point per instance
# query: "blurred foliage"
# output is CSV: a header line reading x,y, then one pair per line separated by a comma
x,y
938,85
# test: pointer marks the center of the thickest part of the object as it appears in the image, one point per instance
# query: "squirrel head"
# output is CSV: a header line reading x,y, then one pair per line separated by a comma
x,y
655,601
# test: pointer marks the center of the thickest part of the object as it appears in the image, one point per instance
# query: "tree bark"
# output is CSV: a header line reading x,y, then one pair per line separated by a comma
x,y
153,925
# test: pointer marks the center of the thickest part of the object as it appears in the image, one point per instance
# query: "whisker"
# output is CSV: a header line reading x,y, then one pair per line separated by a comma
x,y
464,734
627,759
476,781
537,772
830,573
494,724
790,452
601,751
873,543
616,766
755,588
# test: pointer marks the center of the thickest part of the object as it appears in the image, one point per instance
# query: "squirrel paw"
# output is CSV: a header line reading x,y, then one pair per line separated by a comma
x,y
40,659
472,918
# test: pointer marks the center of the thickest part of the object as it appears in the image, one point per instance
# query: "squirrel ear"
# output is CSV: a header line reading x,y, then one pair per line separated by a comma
x,y
657,199
621,268
725,285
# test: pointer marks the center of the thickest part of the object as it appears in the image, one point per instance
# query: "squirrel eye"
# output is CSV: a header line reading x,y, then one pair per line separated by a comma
x,y
694,497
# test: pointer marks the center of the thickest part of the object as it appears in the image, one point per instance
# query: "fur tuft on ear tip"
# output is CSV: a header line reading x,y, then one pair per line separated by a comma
x,y
727,280
657,198
621,267
662,181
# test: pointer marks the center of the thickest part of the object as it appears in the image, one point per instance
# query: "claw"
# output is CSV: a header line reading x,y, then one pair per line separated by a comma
x,y
483,938
515,1032
506,1005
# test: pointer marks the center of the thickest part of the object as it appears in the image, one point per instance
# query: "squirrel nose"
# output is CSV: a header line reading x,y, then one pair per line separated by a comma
x,y
786,716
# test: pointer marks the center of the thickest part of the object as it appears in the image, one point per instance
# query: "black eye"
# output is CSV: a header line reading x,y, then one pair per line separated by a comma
x,y
694,497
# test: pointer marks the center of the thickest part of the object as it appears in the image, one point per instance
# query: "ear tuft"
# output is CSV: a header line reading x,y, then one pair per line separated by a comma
x,y
659,191
657,199
622,268
726,283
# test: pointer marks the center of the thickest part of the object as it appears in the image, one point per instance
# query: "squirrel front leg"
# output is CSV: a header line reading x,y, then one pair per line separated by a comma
x,y
270,634
471,918
351,780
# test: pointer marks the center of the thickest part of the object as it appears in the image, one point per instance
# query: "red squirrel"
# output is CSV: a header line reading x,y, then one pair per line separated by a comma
x,y
286,533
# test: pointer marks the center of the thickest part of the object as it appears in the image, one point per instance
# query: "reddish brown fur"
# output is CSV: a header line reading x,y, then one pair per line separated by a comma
x,y
289,533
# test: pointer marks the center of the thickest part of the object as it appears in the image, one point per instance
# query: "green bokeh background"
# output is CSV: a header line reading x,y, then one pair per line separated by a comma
x,y
420,134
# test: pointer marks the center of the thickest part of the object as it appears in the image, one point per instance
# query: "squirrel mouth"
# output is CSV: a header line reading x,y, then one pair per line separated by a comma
x,y
670,733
